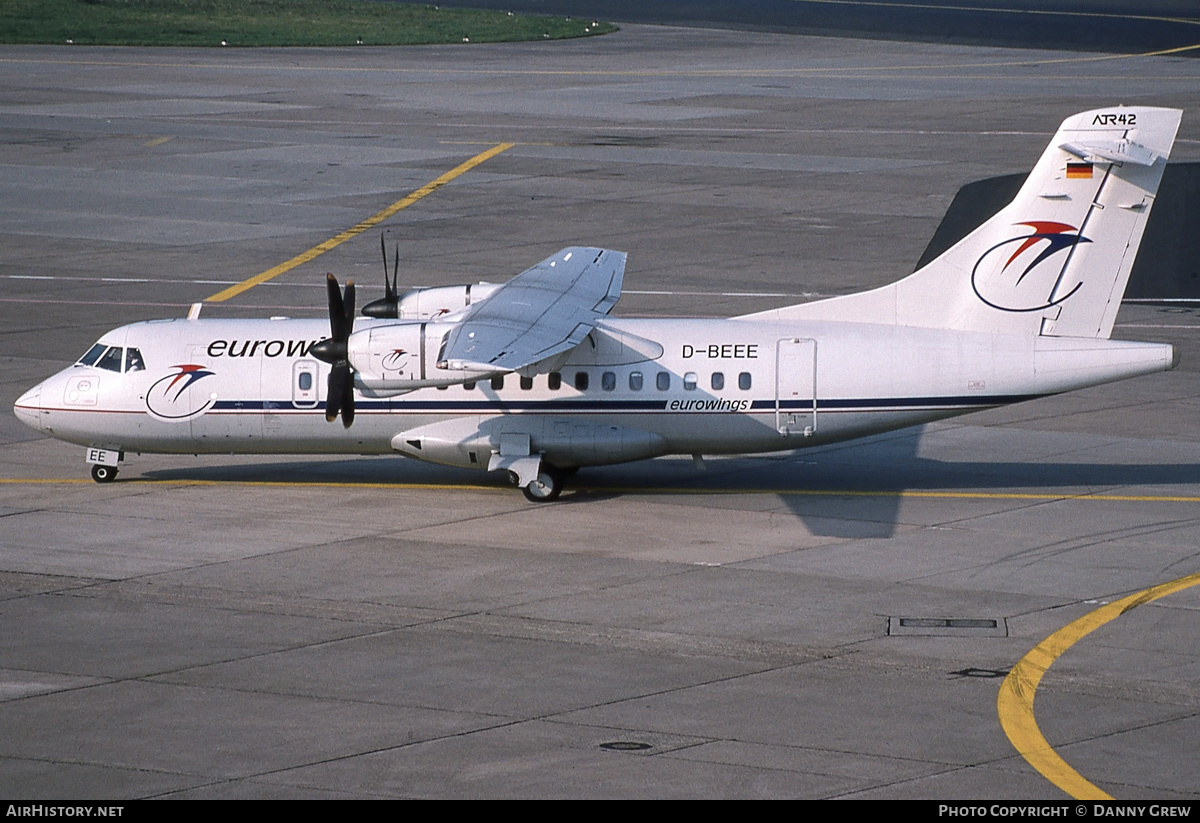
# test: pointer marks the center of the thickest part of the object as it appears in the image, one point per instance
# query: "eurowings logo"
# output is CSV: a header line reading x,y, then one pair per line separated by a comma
x,y
169,397
395,360
1021,280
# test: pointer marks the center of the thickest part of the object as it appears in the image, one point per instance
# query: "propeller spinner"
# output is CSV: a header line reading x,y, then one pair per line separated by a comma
x,y
333,350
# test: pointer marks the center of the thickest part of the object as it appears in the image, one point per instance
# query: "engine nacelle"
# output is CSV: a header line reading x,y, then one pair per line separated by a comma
x,y
401,357
439,301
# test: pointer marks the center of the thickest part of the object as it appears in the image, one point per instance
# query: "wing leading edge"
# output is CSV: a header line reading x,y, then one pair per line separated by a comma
x,y
544,311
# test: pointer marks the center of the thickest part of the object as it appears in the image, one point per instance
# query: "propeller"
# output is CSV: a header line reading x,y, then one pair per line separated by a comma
x,y
333,350
388,306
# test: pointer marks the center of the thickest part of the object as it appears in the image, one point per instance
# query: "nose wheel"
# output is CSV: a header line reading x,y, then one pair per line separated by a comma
x,y
104,474
547,487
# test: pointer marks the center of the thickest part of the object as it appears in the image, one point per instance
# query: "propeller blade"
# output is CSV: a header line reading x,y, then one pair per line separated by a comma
x,y
389,280
337,310
392,293
348,316
341,323
383,249
348,401
338,379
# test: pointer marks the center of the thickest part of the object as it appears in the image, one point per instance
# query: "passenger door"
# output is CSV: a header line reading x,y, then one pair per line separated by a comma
x,y
796,386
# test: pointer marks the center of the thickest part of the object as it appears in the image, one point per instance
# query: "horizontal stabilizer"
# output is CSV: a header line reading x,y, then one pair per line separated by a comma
x,y
1111,151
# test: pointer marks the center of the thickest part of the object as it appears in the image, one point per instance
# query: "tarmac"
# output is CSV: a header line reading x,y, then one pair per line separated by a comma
x,y
832,623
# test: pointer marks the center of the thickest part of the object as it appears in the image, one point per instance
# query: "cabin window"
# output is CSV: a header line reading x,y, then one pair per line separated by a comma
x,y
718,380
526,383
469,385
581,380
744,381
93,354
608,381
553,381
689,381
305,381
663,381
134,361
111,359
635,381
498,382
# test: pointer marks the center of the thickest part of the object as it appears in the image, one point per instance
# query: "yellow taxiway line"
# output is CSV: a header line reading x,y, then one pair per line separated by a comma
x,y
677,491
1015,703
354,231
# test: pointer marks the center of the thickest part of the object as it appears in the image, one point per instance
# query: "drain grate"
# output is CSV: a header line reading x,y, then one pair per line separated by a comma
x,y
947,626
983,673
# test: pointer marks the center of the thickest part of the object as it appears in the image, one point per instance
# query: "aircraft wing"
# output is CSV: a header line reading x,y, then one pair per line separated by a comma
x,y
542,312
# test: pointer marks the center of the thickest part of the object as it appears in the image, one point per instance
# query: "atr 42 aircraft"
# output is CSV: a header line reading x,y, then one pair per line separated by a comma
x,y
533,377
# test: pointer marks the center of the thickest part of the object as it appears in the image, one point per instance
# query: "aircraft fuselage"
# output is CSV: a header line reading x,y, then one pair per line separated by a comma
x,y
637,388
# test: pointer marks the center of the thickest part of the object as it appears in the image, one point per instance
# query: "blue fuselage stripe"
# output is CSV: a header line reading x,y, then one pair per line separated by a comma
x,y
601,405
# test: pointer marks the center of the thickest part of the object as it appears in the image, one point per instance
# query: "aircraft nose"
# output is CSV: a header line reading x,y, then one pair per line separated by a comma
x,y
28,407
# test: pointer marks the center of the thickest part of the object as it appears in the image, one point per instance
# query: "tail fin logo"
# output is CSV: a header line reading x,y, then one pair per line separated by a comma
x,y
1019,282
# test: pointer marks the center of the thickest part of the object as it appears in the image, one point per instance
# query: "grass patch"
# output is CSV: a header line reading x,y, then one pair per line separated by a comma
x,y
271,23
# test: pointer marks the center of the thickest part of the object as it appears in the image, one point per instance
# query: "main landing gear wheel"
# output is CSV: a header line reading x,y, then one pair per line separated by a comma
x,y
104,474
547,487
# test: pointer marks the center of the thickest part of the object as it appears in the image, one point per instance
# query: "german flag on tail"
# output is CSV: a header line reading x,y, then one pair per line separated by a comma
x,y
1079,171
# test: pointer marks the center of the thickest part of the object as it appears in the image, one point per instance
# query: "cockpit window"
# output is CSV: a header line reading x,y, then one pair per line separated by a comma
x,y
111,359
93,354
133,360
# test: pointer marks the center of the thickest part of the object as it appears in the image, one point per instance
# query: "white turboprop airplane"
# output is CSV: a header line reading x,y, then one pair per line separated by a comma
x,y
535,378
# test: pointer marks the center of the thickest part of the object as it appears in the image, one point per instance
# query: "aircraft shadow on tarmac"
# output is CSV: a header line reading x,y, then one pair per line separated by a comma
x,y
853,491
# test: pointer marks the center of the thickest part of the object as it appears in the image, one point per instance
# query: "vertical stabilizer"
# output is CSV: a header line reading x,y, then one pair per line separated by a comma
x,y
1055,261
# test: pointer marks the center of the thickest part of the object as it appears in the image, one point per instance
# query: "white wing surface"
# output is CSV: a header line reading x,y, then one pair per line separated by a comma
x,y
542,312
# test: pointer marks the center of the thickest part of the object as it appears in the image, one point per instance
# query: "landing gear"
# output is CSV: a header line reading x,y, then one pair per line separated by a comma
x,y
547,487
104,463
538,480
104,474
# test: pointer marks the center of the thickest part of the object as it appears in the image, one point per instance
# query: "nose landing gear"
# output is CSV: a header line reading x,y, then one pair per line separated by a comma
x,y
104,463
104,474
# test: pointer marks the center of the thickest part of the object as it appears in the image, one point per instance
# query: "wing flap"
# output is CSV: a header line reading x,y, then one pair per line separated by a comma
x,y
544,311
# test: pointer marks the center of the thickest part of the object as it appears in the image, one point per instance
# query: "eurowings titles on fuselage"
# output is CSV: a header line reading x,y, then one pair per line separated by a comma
x,y
534,377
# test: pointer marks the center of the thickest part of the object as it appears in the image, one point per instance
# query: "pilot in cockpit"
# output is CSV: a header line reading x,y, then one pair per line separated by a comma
x,y
133,360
